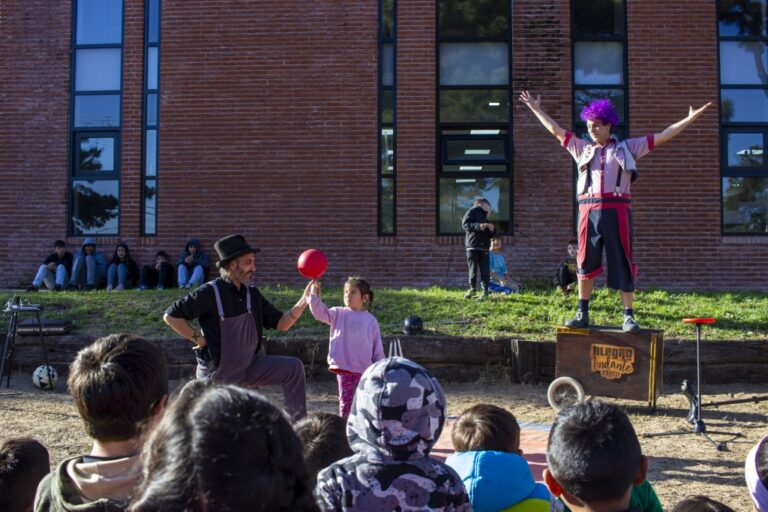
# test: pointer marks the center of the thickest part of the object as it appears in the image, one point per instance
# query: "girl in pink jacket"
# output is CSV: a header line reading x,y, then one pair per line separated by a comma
x,y
355,338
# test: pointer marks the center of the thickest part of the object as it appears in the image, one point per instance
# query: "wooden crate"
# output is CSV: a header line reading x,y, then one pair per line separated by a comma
x,y
609,362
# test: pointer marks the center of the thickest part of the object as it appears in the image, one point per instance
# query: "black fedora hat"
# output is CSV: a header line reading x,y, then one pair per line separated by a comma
x,y
232,247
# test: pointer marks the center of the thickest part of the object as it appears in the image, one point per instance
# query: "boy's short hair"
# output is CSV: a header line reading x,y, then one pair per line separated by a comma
x,y
486,427
59,243
573,242
593,451
117,381
701,503
324,440
23,463
161,253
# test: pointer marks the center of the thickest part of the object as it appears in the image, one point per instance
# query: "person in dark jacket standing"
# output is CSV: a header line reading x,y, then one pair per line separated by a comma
x,y
477,241
192,266
55,270
233,315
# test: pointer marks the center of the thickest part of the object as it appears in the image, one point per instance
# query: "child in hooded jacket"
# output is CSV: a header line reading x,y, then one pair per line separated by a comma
x,y
355,339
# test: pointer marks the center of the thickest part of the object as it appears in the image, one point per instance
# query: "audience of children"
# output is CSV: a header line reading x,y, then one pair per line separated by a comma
x,y
396,418
500,281
355,340
89,269
756,474
192,267
123,272
23,463
488,460
158,276
477,242
323,437
220,447
565,279
594,458
119,384
55,270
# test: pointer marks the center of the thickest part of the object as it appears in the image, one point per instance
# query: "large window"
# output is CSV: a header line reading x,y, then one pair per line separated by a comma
x,y
599,59
387,115
474,121
151,116
95,129
743,40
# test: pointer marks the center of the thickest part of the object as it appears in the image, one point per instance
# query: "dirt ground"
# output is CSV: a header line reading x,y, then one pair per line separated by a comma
x,y
680,466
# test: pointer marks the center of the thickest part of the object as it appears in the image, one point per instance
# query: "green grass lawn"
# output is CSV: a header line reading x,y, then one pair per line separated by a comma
x,y
532,315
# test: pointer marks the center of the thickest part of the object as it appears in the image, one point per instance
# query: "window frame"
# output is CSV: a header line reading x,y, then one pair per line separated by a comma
x,y
385,174
145,126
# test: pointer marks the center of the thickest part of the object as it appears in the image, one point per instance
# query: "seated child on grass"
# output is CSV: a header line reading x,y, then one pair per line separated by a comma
x,y
500,280
488,459
594,458
23,463
323,437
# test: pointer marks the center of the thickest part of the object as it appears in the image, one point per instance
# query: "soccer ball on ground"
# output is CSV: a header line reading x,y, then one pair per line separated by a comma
x,y
44,376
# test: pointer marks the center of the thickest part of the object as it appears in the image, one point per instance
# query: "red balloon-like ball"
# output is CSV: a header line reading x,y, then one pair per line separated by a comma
x,y
312,263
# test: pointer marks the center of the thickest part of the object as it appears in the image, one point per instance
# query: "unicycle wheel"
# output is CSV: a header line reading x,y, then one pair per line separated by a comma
x,y
564,392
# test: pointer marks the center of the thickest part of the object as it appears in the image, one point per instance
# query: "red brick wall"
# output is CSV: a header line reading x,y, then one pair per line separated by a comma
x,y
268,128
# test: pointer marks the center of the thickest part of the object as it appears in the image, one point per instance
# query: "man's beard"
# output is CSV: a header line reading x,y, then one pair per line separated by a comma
x,y
242,276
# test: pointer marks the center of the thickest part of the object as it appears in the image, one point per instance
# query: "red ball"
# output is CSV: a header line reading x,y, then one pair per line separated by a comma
x,y
312,263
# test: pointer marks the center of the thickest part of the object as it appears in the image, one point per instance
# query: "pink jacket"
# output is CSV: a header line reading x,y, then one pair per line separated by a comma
x,y
355,340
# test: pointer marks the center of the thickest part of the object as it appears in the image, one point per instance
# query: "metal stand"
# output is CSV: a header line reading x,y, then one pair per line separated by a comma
x,y
694,399
14,307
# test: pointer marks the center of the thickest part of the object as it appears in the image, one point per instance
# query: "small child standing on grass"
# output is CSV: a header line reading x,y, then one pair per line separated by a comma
x,y
355,340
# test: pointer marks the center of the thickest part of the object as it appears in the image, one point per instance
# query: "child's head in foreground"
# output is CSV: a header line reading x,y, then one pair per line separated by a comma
x,y
223,447
23,463
486,427
118,383
701,504
323,437
594,457
756,474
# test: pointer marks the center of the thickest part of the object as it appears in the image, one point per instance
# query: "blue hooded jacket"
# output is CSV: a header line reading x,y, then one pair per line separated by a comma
x,y
101,261
499,481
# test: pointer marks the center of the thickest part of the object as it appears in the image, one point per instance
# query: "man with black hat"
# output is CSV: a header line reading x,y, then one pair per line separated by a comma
x,y
232,316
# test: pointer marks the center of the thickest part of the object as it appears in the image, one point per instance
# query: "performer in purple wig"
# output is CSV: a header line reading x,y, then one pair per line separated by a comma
x,y
606,170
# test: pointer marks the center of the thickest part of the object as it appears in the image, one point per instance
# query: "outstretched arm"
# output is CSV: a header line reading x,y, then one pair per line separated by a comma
x,y
535,105
674,129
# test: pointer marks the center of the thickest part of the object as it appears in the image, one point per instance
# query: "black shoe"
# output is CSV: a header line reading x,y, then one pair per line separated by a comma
x,y
470,293
72,288
90,288
483,295
630,325
32,288
58,288
579,321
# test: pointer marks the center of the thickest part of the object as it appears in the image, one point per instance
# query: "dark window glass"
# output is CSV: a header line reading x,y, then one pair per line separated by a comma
x,y
152,109
598,18
95,207
743,62
744,105
746,150
388,19
97,111
742,17
745,203
387,205
387,97
150,207
474,64
457,195
150,167
99,21
475,149
597,63
474,18
153,21
96,154
387,65
474,106
387,151
97,69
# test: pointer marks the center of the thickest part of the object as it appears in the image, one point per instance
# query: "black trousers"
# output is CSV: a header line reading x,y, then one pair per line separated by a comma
x,y
151,277
479,261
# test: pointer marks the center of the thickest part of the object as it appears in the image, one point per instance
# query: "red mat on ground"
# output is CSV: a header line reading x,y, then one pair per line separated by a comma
x,y
533,442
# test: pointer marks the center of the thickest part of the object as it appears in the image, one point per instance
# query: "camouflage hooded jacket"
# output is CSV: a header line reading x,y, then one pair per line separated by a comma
x,y
396,418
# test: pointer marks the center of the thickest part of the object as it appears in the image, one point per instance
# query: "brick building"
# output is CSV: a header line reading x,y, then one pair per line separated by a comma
x,y
153,121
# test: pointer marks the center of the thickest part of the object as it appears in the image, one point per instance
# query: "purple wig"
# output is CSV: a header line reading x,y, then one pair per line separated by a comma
x,y
600,110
